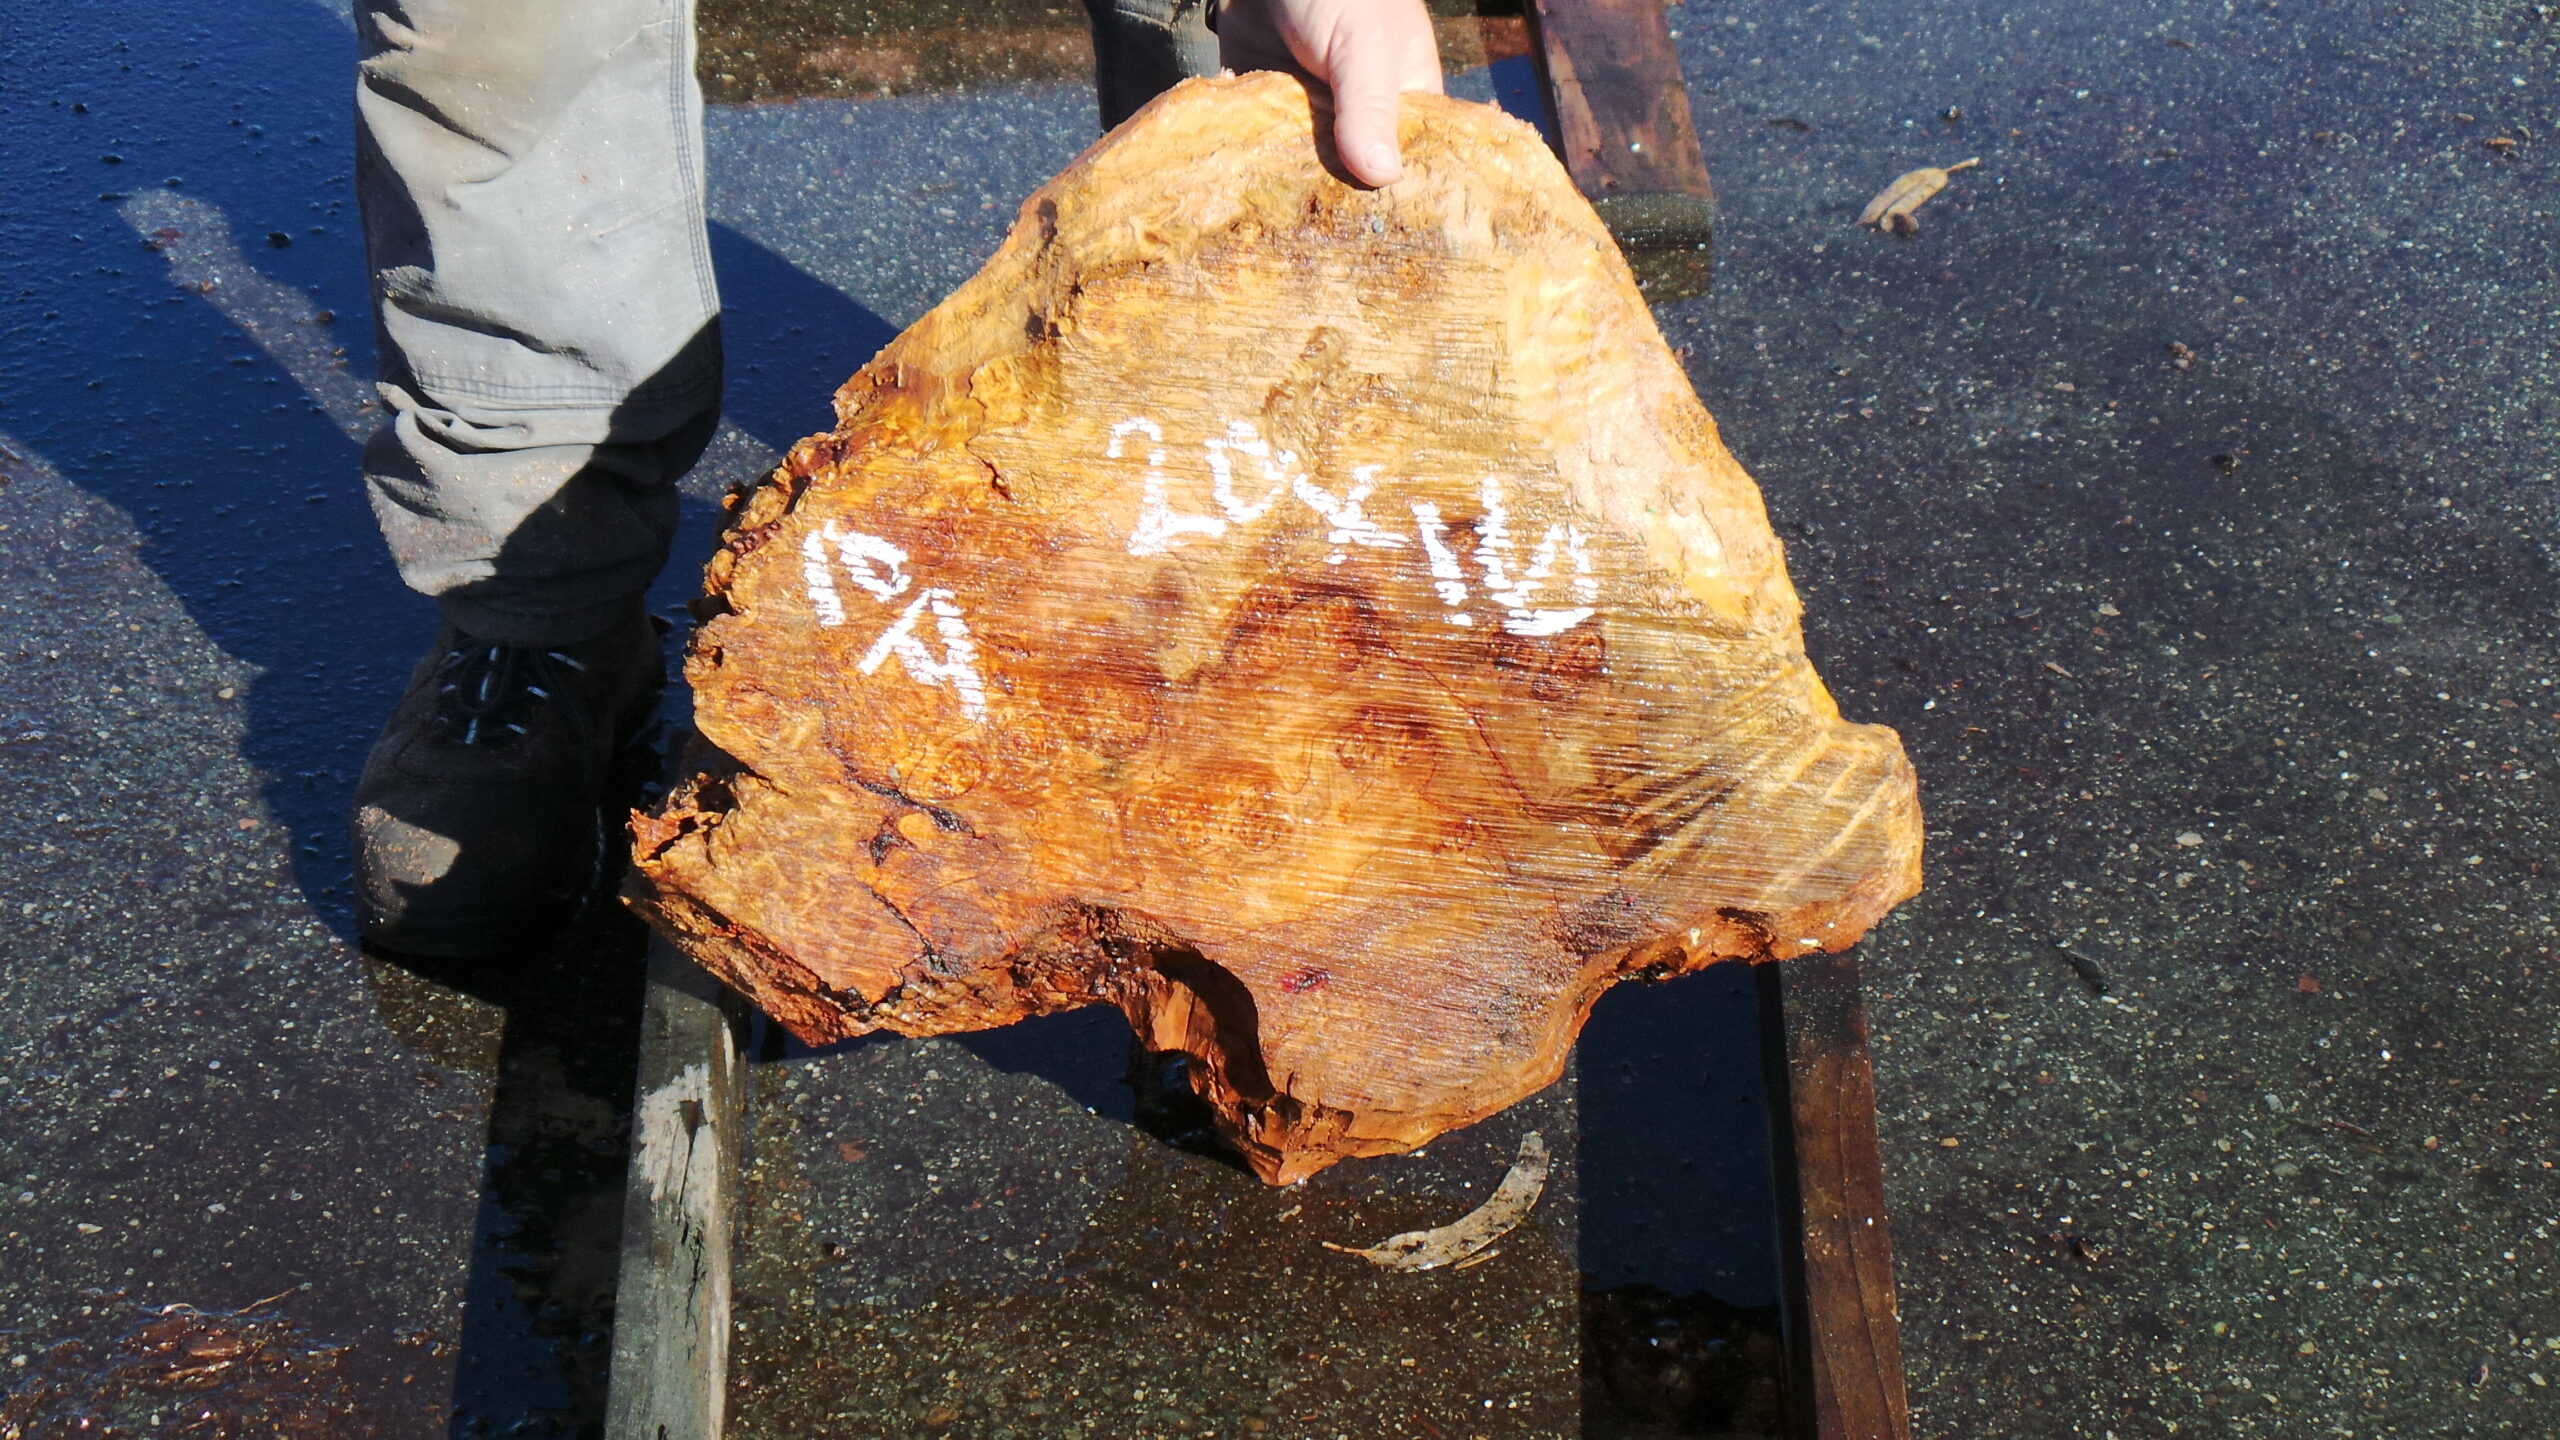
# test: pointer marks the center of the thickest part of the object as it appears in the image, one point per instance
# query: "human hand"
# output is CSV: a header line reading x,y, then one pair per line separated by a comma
x,y
1367,52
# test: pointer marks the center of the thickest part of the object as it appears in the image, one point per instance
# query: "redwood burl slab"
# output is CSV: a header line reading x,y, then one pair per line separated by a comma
x,y
1320,622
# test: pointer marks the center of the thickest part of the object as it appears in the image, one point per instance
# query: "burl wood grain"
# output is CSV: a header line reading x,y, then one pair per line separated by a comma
x,y
1320,622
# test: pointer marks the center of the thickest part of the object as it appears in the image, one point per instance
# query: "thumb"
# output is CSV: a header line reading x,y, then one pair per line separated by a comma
x,y
1365,84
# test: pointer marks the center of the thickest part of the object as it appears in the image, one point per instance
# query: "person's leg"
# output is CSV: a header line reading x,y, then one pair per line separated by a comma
x,y
530,175
1142,48
547,327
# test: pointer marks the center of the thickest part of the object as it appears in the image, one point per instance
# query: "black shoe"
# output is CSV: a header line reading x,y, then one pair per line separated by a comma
x,y
477,819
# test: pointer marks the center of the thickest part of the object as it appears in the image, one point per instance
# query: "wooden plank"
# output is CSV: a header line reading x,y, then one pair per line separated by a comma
x,y
671,1320
1621,112
1843,1323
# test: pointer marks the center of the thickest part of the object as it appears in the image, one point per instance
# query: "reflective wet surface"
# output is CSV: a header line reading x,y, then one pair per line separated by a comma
x,y
1030,1232
1032,1267
2183,490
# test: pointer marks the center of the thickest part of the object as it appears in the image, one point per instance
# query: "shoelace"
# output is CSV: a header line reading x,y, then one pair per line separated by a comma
x,y
487,693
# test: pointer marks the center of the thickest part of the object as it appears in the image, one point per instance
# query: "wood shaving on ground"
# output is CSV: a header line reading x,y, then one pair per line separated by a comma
x,y
1893,207
1461,1241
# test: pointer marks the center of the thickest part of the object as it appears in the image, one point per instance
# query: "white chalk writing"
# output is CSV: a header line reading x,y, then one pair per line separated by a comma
x,y
958,667
1159,528
1350,527
879,567
1514,586
1493,556
1243,439
870,562
820,580
1446,577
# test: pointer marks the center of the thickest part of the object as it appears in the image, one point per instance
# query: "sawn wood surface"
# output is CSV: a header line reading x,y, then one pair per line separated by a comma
x,y
1322,623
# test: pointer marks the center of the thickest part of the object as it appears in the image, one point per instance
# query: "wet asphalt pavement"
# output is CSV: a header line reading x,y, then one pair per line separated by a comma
x,y
2216,1067
2230,683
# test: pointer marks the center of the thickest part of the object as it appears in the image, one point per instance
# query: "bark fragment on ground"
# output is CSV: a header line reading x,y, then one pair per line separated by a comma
x,y
1320,622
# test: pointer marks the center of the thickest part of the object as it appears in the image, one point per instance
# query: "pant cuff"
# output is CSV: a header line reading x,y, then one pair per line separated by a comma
x,y
555,627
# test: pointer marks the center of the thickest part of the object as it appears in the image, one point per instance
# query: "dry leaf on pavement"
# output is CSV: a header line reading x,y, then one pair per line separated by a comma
x,y
1891,210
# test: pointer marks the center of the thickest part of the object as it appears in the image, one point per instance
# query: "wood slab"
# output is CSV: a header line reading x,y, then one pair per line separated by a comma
x,y
1320,622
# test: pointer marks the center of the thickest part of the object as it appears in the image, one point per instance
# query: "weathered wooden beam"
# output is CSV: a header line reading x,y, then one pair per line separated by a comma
x,y
1844,1339
1621,109
671,1317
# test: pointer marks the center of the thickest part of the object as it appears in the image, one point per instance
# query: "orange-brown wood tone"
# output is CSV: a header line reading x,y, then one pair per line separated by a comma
x,y
1320,622
1847,1341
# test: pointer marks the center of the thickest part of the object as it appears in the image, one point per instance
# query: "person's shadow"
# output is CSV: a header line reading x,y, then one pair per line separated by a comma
x,y
536,1337
194,350
537,1327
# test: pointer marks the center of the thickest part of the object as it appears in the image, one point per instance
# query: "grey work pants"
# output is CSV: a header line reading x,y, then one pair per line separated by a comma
x,y
547,326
